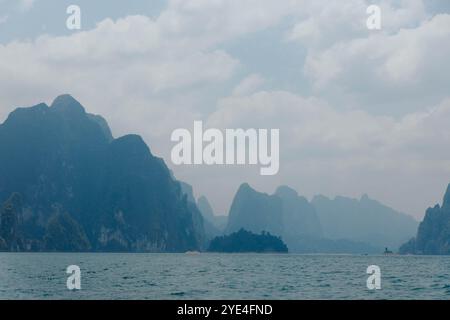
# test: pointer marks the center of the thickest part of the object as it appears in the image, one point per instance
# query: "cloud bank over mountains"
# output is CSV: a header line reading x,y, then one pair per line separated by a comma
x,y
369,115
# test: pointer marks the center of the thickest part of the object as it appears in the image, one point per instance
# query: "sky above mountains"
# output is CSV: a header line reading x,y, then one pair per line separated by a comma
x,y
359,111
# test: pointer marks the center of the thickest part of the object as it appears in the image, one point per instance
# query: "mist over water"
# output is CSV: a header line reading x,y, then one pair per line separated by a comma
x,y
222,276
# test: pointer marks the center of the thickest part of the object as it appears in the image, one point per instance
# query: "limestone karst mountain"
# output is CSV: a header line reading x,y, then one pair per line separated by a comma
x,y
219,221
433,234
299,216
255,211
206,227
329,226
81,189
365,220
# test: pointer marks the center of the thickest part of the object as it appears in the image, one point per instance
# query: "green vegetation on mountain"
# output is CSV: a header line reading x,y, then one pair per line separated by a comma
x,y
81,189
65,234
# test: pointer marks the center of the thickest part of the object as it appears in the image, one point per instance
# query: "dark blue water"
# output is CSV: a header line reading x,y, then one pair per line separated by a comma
x,y
221,276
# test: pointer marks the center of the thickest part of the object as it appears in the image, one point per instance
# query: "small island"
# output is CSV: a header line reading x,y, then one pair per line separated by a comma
x,y
246,241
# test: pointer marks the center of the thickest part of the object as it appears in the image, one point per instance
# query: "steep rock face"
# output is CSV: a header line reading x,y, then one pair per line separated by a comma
x,y
118,196
284,213
363,220
218,222
255,211
299,216
10,238
433,234
350,226
205,230
65,234
205,208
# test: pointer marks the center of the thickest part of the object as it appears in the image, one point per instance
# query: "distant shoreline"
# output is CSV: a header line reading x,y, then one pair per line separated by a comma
x,y
225,253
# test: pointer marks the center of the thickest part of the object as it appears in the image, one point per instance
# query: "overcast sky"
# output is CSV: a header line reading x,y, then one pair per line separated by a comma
x,y
359,111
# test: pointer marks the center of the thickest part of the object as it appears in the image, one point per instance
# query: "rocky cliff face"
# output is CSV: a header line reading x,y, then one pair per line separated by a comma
x,y
200,221
299,216
255,211
341,225
433,234
284,213
218,222
10,238
83,190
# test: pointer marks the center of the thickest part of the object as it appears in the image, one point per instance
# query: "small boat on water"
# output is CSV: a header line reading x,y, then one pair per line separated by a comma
x,y
387,252
192,252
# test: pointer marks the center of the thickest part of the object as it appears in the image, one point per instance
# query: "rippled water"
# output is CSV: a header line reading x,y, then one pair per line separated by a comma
x,y
221,276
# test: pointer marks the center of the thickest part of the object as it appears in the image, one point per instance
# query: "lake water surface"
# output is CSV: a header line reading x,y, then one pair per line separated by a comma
x,y
221,276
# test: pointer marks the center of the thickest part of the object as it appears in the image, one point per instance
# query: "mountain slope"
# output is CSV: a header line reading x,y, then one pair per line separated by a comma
x,y
433,234
255,211
364,220
299,216
219,222
324,226
62,160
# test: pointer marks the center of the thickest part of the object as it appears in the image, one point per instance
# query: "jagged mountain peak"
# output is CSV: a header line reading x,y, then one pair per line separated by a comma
x,y
64,160
132,144
285,191
255,211
245,187
205,207
67,103
22,112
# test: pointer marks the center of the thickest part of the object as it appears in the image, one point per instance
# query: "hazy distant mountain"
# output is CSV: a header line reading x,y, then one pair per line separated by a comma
x,y
342,226
200,222
255,211
187,190
80,189
363,220
205,208
299,216
433,235
307,244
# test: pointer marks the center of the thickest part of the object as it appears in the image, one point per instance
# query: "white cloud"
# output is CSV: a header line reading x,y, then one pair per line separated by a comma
x,y
150,76
118,67
215,21
249,84
351,150
387,68
323,23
